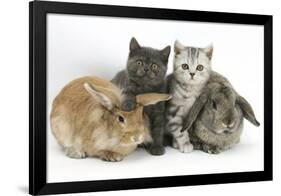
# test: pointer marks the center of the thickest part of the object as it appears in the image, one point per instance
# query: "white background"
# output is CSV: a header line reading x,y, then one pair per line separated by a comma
x,y
90,45
14,96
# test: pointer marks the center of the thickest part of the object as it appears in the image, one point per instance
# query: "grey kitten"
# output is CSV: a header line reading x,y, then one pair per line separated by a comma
x,y
192,69
146,73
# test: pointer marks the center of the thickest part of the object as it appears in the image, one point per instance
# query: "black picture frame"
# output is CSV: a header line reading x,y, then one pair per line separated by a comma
x,y
38,108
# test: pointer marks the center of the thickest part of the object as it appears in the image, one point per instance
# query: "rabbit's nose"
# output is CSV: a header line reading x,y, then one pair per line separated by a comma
x,y
136,138
226,131
230,124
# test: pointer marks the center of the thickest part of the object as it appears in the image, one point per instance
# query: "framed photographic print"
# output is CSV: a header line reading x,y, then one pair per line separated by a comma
x,y
132,97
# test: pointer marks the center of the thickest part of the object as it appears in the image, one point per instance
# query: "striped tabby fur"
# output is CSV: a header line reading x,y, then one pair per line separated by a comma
x,y
192,68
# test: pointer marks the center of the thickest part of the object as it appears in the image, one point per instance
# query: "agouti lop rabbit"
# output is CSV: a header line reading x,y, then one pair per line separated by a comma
x,y
215,121
86,120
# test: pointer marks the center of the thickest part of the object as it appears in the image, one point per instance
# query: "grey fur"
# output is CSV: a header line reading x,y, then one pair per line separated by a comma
x,y
185,88
215,121
141,78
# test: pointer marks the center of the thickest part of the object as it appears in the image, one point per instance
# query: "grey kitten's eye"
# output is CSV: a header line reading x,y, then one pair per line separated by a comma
x,y
185,66
139,63
199,67
121,119
154,67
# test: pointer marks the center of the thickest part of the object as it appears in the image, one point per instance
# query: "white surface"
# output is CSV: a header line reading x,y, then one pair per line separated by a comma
x,y
244,157
14,92
90,45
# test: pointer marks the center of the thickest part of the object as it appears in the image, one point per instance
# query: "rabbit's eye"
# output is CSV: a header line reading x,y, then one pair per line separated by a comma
x,y
185,66
139,63
121,119
199,67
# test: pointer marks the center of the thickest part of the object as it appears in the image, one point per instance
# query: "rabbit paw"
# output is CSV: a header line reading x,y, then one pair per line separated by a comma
x,y
74,153
157,150
211,149
197,146
186,147
111,156
128,105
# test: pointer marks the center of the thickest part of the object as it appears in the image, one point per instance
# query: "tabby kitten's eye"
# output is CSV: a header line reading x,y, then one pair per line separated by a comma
x,y
199,67
121,119
139,63
185,66
154,67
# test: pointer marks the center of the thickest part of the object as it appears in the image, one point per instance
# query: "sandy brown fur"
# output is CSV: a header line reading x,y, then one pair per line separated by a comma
x,y
85,127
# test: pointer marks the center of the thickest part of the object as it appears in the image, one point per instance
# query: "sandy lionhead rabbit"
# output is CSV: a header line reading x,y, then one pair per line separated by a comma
x,y
86,120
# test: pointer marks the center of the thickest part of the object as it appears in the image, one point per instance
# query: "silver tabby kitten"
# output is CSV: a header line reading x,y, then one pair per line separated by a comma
x,y
192,69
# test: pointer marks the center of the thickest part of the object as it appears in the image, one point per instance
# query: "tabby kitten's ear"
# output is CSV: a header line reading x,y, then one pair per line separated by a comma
x,y
178,47
166,52
209,51
134,44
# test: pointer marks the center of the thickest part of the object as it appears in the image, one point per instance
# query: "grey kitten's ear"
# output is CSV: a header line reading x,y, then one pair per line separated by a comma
x,y
194,111
166,52
247,110
178,47
209,51
134,44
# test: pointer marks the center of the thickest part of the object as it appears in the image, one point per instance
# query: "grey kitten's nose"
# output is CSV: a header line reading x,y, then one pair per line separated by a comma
x,y
192,74
145,69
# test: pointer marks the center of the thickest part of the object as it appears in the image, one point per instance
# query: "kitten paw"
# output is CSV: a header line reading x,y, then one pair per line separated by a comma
x,y
186,148
111,156
157,150
74,153
128,106
175,144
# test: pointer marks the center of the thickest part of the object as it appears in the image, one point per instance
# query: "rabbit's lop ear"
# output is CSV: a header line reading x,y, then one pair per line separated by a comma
x,y
152,98
194,111
97,93
247,110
